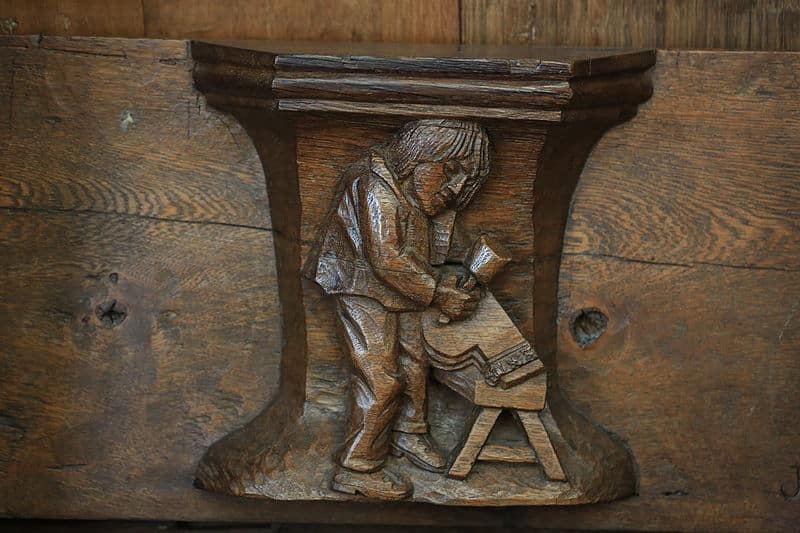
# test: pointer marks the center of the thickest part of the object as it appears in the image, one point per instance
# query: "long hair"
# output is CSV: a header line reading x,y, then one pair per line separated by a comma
x,y
436,140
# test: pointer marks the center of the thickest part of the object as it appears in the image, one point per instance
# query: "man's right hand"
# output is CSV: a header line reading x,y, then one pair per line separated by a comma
x,y
455,303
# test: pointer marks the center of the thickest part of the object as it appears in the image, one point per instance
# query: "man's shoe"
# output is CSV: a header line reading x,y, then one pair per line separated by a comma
x,y
380,484
420,450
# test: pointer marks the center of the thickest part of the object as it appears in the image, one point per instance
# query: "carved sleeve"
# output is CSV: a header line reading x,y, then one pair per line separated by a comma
x,y
459,244
395,263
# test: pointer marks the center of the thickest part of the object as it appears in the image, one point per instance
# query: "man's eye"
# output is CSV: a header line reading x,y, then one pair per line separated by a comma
x,y
451,168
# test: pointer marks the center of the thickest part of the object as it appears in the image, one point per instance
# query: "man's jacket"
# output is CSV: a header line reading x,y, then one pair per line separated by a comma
x,y
376,243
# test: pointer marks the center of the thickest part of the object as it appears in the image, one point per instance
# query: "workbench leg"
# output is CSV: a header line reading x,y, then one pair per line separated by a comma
x,y
478,433
540,442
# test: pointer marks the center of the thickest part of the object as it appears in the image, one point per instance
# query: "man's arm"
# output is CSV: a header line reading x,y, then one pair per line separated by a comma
x,y
396,265
459,244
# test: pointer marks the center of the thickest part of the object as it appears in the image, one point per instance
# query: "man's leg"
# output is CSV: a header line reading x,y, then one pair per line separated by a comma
x,y
410,437
371,337
412,417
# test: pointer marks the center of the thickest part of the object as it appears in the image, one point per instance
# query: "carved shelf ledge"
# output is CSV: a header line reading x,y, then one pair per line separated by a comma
x,y
548,85
323,117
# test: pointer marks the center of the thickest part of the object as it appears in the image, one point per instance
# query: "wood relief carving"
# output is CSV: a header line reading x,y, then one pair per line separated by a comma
x,y
419,203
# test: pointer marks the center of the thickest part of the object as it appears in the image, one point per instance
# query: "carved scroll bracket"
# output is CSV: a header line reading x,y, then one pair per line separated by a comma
x,y
542,111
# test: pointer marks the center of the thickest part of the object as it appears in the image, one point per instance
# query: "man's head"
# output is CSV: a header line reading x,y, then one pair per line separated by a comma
x,y
442,162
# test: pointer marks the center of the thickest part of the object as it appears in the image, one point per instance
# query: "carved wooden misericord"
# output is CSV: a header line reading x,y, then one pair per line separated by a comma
x,y
419,197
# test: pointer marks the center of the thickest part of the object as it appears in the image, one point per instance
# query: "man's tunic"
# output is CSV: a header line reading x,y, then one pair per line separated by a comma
x,y
376,243
375,256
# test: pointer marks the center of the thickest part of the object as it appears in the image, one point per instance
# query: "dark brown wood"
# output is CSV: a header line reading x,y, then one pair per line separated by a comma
x,y
701,212
122,18
509,454
373,258
692,24
696,370
503,62
360,20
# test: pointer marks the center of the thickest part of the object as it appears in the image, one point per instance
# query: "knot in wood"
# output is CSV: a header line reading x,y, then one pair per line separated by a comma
x,y
111,313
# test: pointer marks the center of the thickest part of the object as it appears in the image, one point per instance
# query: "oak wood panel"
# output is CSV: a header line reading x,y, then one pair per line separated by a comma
x,y
353,20
778,25
731,24
117,18
99,420
615,23
734,24
697,370
491,22
126,112
705,186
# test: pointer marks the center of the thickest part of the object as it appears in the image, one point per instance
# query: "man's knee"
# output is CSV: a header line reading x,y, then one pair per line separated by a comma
x,y
390,386
386,388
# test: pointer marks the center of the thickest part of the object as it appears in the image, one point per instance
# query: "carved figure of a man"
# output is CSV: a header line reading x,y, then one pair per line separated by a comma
x,y
378,254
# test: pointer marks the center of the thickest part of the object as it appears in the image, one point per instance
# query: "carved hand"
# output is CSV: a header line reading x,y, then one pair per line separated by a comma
x,y
456,303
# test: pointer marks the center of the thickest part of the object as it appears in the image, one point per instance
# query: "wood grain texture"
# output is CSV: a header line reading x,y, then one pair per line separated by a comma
x,y
353,20
485,418
540,442
296,58
509,454
594,22
730,24
118,18
162,383
713,188
507,22
702,357
104,167
697,370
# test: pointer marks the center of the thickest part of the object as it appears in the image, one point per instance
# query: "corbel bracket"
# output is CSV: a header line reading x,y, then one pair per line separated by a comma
x,y
323,117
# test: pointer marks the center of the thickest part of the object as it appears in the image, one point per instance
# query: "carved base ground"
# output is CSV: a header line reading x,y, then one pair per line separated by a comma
x,y
291,456
297,465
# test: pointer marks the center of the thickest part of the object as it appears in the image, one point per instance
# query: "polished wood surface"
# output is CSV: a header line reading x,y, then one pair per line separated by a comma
x,y
367,247
688,244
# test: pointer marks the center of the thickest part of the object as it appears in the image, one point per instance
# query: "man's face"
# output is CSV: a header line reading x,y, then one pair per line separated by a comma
x,y
437,186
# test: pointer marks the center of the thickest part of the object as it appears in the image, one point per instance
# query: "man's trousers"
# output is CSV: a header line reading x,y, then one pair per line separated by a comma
x,y
390,372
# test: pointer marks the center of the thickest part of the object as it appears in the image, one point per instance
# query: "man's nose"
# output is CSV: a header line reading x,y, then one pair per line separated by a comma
x,y
457,184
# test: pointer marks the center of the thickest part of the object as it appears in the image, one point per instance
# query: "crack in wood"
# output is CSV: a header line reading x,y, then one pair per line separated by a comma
x,y
688,264
130,215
